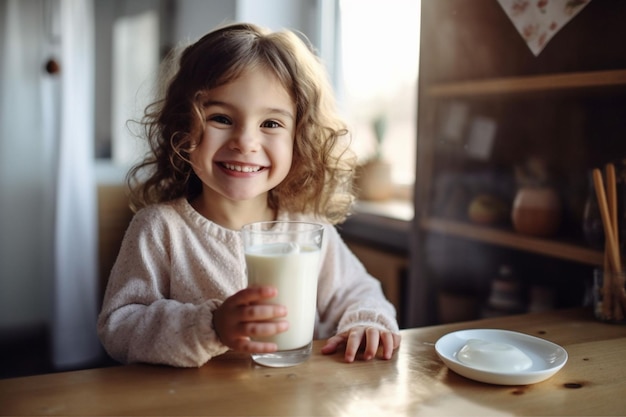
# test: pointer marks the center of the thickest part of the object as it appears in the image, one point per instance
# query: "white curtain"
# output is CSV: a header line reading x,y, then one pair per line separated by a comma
x,y
75,295
48,248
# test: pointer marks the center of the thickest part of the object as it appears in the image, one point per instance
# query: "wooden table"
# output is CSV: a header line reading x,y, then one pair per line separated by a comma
x,y
415,382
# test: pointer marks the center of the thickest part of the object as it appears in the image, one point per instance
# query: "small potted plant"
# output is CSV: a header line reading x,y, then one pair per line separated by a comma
x,y
373,178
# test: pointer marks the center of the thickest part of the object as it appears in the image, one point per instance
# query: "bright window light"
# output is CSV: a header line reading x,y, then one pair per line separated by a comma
x,y
379,55
136,59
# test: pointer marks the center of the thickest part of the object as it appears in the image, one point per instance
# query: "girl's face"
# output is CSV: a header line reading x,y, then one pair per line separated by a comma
x,y
247,146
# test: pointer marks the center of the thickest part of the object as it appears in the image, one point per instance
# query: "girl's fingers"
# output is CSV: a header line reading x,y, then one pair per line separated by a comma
x,y
253,295
372,340
243,316
366,339
265,329
250,331
332,344
246,345
396,340
388,344
262,312
259,347
353,343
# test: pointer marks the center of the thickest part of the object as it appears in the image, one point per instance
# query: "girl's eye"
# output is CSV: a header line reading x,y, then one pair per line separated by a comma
x,y
270,124
217,118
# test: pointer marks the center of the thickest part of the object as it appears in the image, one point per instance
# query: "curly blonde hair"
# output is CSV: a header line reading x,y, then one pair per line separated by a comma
x,y
320,179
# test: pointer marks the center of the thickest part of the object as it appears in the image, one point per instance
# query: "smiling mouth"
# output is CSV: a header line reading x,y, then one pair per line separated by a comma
x,y
241,168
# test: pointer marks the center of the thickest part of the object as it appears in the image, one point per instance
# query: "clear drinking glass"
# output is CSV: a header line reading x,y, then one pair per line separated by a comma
x,y
286,255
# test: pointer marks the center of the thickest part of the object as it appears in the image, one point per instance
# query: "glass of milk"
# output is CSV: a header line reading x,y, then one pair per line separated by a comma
x,y
286,255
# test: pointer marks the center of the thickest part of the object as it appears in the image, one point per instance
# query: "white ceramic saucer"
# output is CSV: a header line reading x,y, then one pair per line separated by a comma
x,y
547,358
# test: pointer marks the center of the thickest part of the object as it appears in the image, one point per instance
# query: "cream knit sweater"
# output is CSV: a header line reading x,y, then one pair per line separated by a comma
x,y
175,268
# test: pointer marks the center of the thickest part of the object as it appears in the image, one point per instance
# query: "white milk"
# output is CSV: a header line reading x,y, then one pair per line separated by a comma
x,y
293,271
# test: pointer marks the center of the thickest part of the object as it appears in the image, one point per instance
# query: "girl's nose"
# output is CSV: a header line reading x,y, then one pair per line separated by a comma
x,y
244,140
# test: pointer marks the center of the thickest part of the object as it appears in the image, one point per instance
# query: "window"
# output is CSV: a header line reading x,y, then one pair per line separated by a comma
x,y
377,75
135,63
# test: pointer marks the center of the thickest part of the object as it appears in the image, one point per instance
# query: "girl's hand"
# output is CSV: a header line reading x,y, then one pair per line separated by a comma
x,y
241,317
366,338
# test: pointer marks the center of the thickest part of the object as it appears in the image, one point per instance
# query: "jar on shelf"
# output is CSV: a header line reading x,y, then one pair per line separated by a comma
x,y
537,208
537,211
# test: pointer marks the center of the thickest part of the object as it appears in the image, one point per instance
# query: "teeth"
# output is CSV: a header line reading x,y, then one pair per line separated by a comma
x,y
240,168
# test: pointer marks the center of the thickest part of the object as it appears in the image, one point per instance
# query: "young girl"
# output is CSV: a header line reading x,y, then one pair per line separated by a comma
x,y
246,132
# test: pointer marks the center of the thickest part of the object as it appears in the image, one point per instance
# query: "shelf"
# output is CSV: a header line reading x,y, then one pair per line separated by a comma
x,y
530,84
513,240
384,225
397,210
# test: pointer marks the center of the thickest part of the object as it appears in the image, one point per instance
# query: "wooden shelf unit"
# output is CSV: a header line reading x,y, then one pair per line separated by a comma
x,y
530,84
511,86
566,105
562,250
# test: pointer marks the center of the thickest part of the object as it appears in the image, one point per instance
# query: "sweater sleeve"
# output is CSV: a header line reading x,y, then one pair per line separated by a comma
x,y
347,295
138,321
